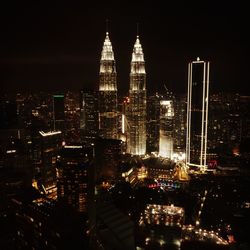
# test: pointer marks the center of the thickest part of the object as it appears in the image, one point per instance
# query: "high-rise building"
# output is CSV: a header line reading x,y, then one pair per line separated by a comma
x,y
226,116
166,142
180,113
153,125
73,165
137,106
8,114
107,159
42,223
197,113
108,120
58,112
46,146
88,115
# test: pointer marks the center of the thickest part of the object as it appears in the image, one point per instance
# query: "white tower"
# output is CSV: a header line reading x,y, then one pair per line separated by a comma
x,y
108,116
197,113
137,105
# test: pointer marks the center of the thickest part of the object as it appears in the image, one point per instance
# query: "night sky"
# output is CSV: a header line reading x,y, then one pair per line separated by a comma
x,y
54,45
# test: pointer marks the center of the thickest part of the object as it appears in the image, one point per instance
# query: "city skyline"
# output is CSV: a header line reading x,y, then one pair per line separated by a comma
x,y
59,49
118,129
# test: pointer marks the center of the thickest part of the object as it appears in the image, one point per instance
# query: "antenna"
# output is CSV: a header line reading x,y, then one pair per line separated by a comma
x,y
165,87
107,26
137,29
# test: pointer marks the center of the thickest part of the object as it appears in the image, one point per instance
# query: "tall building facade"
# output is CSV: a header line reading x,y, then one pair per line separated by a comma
x,y
197,113
108,119
166,141
88,115
46,146
58,112
108,154
73,166
137,105
180,119
153,125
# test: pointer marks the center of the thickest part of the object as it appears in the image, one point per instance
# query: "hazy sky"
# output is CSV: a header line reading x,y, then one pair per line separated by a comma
x,y
54,45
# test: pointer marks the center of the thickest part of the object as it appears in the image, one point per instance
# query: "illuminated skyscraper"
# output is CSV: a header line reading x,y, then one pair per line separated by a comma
x,y
166,144
197,113
108,120
137,106
180,119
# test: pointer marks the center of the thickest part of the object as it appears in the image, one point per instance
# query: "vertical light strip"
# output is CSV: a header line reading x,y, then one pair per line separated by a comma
x,y
190,108
188,113
123,123
202,113
207,102
187,117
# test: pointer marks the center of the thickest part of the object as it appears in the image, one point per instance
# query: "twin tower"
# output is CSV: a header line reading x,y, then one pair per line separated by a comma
x,y
108,107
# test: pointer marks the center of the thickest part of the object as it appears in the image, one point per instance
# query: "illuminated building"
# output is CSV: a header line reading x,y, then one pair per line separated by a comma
x,y
180,112
45,149
137,106
58,112
123,107
197,113
181,172
108,120
166,128
160,227
163,214
88,115
73,164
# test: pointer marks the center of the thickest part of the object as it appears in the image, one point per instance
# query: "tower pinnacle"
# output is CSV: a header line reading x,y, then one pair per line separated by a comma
x,y
107,26
137,30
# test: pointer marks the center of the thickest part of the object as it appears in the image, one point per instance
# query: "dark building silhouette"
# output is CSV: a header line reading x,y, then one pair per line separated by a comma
x,y
107,157
73,170
153,126
8,114
88,115
58,112
46,224
46,146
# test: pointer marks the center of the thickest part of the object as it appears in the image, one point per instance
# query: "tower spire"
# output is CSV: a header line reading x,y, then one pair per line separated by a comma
x,y
137,29
107,26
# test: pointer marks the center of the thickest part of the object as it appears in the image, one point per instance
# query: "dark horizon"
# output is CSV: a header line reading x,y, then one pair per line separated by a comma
x,y
57,47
